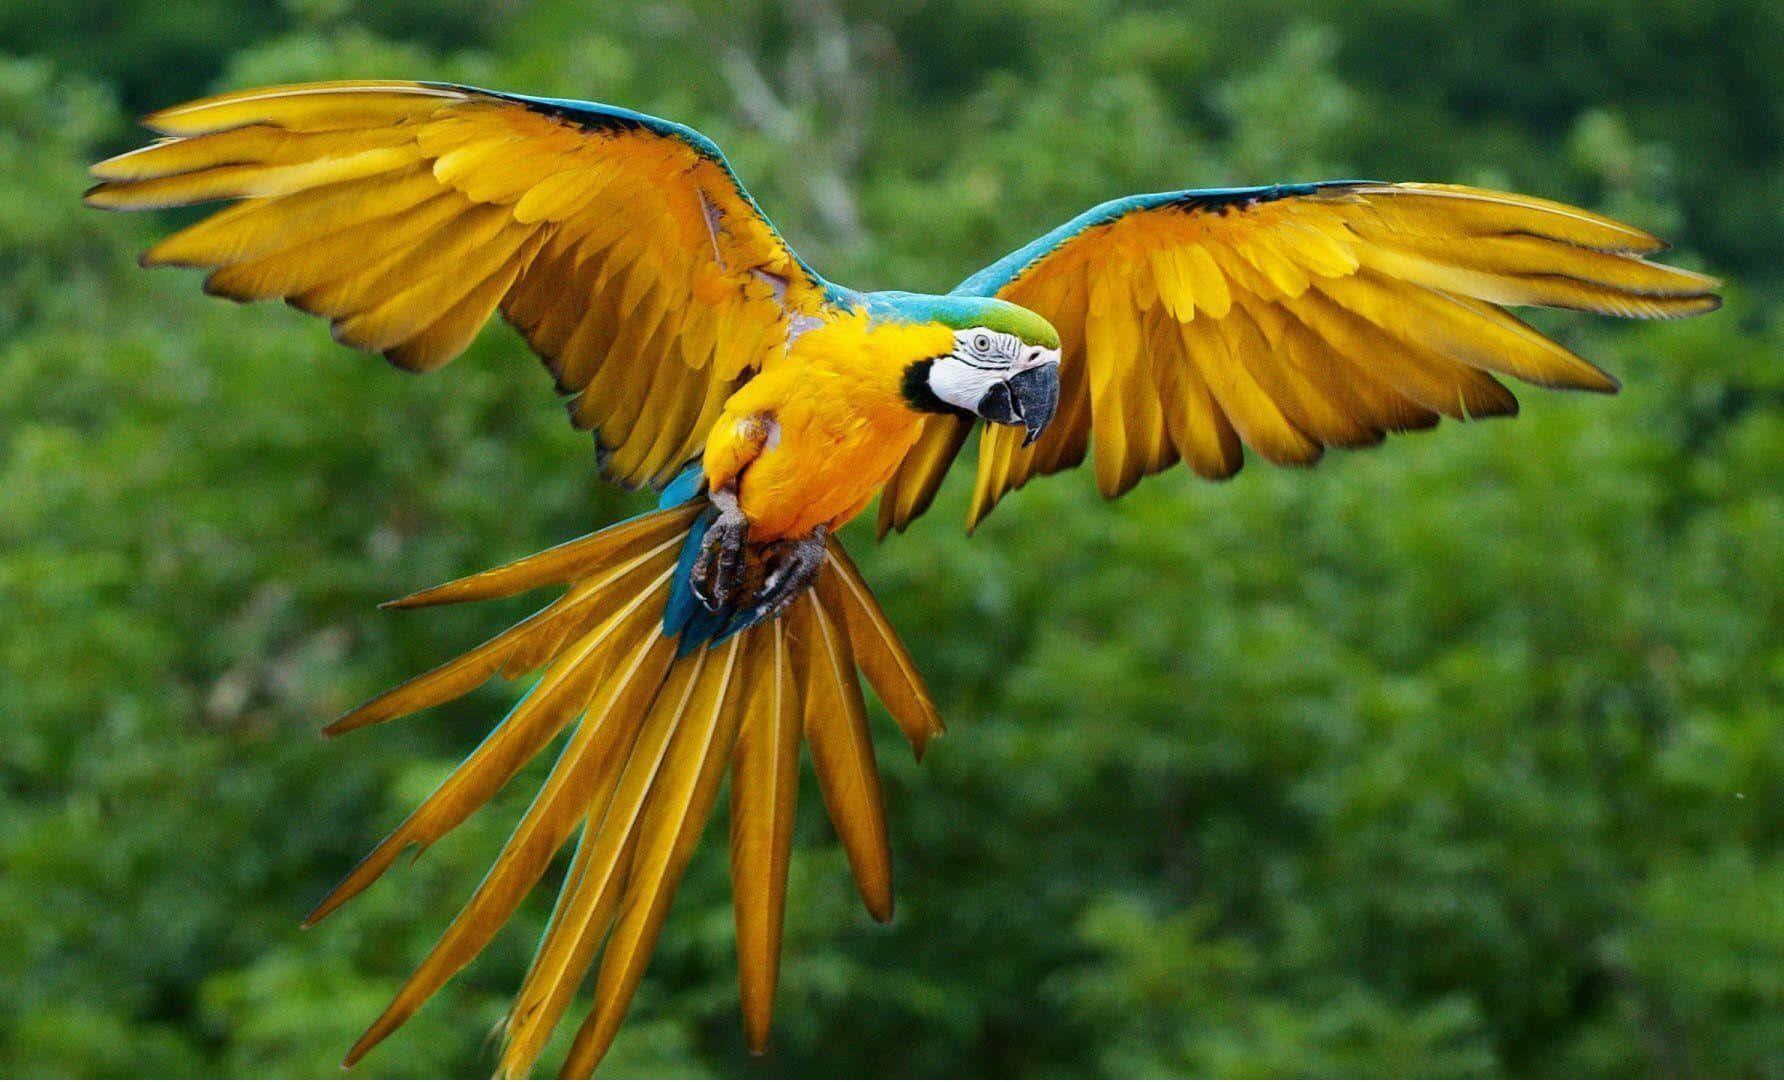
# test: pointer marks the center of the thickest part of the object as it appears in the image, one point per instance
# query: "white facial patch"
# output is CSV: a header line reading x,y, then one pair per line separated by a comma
x,y
982,358
958,383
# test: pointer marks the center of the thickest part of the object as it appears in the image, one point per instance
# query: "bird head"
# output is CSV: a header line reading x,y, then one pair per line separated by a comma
x,y
1004,366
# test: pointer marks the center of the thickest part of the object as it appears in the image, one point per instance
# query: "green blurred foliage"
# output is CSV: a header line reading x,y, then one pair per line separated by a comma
x,y
1459,757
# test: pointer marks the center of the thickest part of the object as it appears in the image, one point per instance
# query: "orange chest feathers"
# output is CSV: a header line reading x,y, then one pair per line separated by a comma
x,y
813,437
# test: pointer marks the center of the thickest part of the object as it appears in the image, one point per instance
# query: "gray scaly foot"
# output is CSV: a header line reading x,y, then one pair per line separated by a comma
x,y
797,569
717,573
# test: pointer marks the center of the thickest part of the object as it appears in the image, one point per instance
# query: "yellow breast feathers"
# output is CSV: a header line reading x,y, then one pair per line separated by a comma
x,y
812,439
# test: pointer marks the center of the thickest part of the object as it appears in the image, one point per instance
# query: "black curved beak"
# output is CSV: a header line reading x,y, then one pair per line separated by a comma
x,y
1035,392
1027,398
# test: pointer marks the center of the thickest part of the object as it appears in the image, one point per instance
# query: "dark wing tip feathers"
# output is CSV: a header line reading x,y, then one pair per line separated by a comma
x,y
399,359
210,288
1221,200
1507,407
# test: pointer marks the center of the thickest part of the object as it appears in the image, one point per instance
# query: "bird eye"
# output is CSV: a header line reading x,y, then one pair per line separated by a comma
x,y
981,343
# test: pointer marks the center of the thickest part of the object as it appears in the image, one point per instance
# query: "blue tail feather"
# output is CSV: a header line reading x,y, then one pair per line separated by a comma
x,y
689,485
683,606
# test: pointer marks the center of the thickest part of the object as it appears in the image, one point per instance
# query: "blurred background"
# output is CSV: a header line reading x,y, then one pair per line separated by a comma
x,y
1457,757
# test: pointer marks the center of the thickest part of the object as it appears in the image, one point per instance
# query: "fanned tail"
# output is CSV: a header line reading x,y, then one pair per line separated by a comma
x,y
652,724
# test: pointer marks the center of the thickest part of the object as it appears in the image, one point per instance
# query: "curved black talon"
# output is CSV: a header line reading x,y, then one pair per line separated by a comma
x,y
796,569
717,574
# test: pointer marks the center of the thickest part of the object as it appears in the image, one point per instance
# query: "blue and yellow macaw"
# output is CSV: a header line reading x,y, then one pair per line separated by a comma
x,y
770,406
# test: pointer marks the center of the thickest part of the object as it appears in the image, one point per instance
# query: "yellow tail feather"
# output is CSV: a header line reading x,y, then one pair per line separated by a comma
x,y
651,734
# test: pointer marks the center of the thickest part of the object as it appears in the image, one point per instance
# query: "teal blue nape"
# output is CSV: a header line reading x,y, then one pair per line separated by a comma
x,y
963,312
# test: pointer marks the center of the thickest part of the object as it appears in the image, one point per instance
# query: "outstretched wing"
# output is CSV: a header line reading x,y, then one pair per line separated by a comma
x,y
622,246
1291,319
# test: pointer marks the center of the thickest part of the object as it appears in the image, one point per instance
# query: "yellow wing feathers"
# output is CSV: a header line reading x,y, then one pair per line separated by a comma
x,y
405,213
1290,322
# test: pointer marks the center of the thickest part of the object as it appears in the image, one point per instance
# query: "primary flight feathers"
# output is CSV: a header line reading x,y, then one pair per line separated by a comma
x,y
621,246
1188,326
1295,318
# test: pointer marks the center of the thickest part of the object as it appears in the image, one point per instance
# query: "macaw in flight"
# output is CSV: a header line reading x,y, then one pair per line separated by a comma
x,y
770,406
